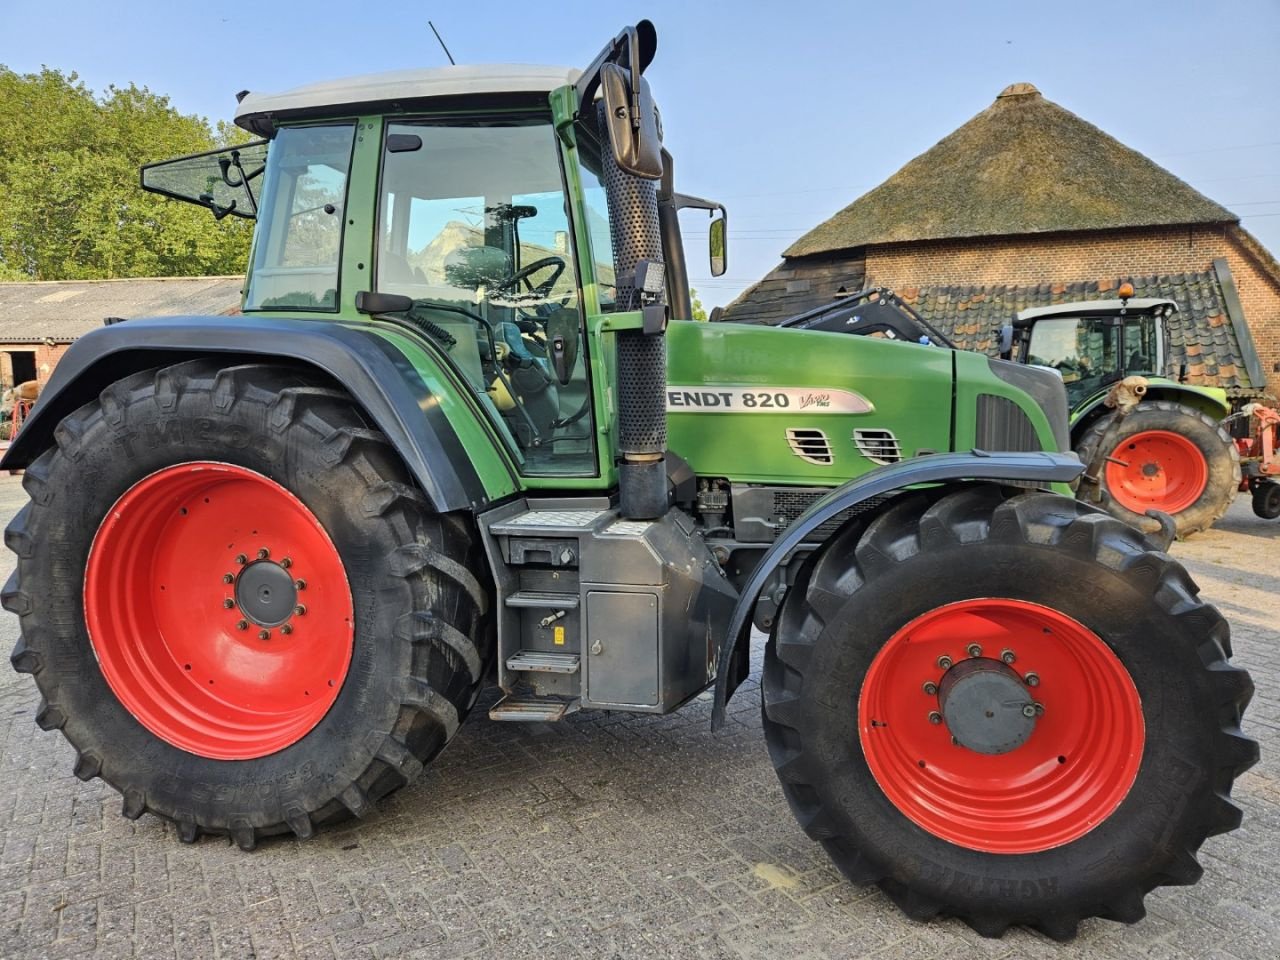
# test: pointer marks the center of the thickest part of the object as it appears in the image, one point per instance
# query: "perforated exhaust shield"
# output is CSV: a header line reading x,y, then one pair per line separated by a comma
x,y
642,360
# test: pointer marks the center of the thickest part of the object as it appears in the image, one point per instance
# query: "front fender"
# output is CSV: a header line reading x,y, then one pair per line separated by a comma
x,y
380,379
939,468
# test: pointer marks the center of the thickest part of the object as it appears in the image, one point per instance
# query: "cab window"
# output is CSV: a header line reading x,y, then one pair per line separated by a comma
x,y
474,228
298,242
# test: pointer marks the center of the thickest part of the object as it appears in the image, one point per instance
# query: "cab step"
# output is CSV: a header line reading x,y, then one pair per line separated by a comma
x,y
540,661
543,599
532,709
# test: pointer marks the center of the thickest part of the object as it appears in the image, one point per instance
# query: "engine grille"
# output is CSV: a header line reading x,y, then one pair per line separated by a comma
x,y
878,446
1003,425
810,445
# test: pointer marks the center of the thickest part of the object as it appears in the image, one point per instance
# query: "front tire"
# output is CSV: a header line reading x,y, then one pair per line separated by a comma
x,y
275,629
1043,820
1167,457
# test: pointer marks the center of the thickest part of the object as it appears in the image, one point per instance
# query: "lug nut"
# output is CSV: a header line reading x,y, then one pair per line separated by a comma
x,y
264,634
300,609
944,662
973,650
1007,656
930,687
228,603
286,562
300,584
286,629
228,578
1032,679
935,717
241,559
242,625
264,553
1029,710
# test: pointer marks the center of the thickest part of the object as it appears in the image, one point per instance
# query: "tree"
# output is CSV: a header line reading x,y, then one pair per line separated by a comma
x,y
699,312
72,206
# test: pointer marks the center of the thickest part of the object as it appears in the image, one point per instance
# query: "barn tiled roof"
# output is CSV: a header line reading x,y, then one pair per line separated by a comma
x,y
1201,334
795,286
63,310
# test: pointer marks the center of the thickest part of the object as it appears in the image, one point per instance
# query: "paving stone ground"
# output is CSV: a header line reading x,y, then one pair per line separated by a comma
x,y
607,836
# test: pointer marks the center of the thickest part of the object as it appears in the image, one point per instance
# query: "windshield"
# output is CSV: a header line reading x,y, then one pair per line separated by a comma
x,y
224,181
299,237
1092,352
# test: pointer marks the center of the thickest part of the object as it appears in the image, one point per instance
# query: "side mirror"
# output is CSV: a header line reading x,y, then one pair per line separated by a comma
x,y
562,344
719,241
632,120
1006,342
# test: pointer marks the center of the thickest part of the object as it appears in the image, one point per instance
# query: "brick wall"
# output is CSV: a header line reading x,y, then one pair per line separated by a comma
x,y
46,359
1102,256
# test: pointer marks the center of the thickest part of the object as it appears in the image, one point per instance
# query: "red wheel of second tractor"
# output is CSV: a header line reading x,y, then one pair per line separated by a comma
x,y
219,610
994,778
1156,469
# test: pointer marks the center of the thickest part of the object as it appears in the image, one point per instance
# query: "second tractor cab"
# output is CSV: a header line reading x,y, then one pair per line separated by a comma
x,y
1171,453
464,433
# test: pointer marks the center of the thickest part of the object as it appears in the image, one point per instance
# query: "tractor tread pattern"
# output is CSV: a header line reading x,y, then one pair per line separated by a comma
x,y
1199,516
976,512
447,622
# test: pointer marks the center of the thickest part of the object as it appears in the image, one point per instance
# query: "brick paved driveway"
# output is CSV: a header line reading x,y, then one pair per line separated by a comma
x,y
607,836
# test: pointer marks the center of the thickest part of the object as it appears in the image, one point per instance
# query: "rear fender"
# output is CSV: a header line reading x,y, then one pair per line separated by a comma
x,y
731,667
380,379
1211,404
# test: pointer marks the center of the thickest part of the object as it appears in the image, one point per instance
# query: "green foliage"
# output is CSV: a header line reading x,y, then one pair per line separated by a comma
x,y
699,311
72,207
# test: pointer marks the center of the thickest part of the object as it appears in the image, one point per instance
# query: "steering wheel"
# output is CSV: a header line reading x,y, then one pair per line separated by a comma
x,y
536,292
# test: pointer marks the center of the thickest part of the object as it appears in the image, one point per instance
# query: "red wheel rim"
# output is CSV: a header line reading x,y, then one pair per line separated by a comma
x,y
184,610
1067,777
1157,469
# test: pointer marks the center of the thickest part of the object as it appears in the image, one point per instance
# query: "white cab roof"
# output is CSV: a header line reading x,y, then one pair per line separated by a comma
x,y
1083,308
406,85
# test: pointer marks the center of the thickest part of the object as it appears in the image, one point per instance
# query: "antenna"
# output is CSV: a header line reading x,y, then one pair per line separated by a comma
x,y
452,62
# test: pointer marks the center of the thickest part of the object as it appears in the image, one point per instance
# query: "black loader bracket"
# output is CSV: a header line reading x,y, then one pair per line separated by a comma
x,y
731,667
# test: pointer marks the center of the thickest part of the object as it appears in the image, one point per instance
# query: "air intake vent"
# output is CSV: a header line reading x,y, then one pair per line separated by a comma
x,y
810,445
1002,425
878,446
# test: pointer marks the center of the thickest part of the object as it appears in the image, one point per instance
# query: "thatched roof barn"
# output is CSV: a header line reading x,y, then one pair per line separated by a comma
x,y
1027,203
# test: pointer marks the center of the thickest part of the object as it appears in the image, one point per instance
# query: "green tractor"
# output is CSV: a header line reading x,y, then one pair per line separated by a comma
x,y
1170,453
465,430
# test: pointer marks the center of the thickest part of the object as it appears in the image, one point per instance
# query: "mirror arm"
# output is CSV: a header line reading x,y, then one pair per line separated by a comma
x,y
678,294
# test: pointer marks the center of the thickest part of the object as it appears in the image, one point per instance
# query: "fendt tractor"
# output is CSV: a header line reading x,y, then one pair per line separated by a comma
x,y
1169,453
465,429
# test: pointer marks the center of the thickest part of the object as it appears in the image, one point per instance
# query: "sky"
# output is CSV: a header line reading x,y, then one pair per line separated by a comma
x,y
785,112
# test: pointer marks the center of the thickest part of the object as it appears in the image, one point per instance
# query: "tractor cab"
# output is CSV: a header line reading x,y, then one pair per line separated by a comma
x,y
484,209
1095,344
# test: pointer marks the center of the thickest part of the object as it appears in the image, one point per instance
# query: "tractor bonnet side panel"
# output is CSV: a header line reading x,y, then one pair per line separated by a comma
x,y
764,405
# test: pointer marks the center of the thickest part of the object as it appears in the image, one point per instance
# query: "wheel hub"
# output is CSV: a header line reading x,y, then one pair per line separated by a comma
x,y
265,593
183,563
985,705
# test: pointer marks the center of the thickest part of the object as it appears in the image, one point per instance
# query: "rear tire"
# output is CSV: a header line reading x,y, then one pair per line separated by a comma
x,y
417,630
994,866
1266,499
1179,461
